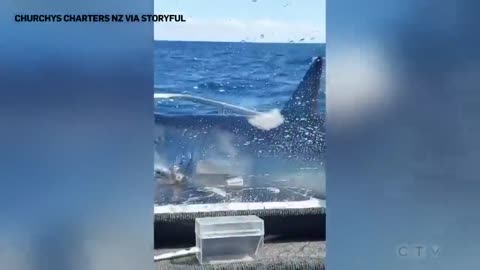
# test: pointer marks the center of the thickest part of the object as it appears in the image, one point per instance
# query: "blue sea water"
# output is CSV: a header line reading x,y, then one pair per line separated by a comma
x,y
252,75
259,76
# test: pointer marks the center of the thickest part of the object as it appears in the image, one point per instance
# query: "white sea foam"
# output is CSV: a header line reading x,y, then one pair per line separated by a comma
x,y
267,120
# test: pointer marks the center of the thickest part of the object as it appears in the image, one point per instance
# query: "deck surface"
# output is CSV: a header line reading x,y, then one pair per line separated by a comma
x,y
288,256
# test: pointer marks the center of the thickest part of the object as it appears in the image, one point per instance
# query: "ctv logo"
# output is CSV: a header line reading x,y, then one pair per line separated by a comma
x,y
418,251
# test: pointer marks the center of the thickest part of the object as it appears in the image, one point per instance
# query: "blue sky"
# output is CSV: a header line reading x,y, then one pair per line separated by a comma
x,y
237,20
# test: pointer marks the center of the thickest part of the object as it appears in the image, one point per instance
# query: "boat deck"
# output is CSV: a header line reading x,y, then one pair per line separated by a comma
x,y
276,255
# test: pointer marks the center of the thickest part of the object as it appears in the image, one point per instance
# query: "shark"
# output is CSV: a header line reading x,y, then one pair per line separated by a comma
x,y
284,145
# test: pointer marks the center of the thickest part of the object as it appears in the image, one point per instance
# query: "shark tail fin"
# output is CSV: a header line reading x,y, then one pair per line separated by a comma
x,y
303,102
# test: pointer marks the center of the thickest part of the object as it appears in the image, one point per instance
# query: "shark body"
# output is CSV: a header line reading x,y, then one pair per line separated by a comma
x,y
287,145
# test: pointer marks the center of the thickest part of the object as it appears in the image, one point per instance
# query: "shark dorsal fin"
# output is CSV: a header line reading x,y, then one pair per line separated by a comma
x,y
303,102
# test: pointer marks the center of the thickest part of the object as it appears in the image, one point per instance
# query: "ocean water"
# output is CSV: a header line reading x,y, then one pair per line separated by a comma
x,y
259,76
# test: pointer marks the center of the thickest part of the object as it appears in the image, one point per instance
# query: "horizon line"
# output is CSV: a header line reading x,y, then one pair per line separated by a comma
x,y
243,41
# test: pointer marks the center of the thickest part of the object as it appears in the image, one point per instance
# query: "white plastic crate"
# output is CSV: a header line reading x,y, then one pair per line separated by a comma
x,y
228,239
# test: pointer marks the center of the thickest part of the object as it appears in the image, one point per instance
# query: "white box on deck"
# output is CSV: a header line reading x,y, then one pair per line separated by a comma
x,y
228,239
